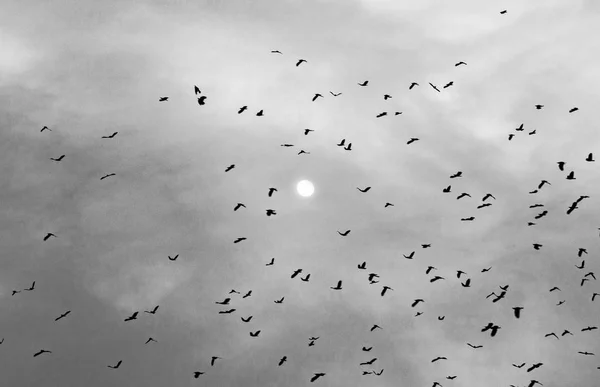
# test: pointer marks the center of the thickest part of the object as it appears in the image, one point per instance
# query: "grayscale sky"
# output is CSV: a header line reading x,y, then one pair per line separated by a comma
x,y
87,69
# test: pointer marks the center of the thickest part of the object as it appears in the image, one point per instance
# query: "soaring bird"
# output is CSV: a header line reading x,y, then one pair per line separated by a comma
x,y
213,360
573,109
153,311
413,139
255,334
62,315
271,212
48,236
58,158
364,189
436,89
229,168
306,278
448,84
462,195
571,175
260,113
510,136
370,362
335,94
238,240
388,205
317,95
344,233
409,256
111,136
413,85
517,310
534,366
41,351
457,174
307,131
386,97
31,287
45,128
300,61
348,147
375,327
447,189
381,115
474,346
224,302
416,302
201,100
385,288
296,272
149,340
365,83
132,317
520,128
117,365
196,90
538,107
436,278
271,191
197,374
439,358
337,287
590,158
276,52
467,283
342,142
242,109
163,99
302,151
238,206
282,360
271,263
173,258
105,176
317,376
502,12
459,63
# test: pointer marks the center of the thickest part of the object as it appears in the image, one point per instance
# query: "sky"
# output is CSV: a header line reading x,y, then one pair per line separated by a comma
x,y
88,69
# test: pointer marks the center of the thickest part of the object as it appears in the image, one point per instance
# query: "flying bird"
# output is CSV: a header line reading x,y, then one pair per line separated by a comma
x,y
45,128
344,233
364,190
439,358
386,97
448,84
242,109
487,196
317,376
42,351
62,315
153,311
517,310
111,136
365,83
132,317
337,287
149,340
573,109
502,12
300,61
459,63
436,89
538,107
282,360
255,334
307,131
385,288
163,99
173,258
271,191
413,85
381,115
413,139
276,52
105,176
58,158
201,100
260,113
196,90
474,346
48,236
388,205
317,95
238,240
117,365
457,174
561,165
334,94
197,374
238,206
590,158
213,360
571,175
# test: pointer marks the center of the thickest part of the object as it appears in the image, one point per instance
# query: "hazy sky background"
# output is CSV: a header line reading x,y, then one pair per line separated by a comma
x,y
87,69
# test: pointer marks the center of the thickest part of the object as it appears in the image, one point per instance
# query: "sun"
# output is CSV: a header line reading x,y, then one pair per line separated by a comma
x,y
305,188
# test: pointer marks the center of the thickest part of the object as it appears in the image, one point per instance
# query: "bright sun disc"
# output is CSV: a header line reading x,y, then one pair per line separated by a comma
x,y
305,188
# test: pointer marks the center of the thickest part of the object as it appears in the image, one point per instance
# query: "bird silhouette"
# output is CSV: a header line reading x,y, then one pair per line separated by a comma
x,y
300,61
381,115
213,360
388,204
364,189
342,142
469,219
448,84
370,362
317,95
224,302
306,278
63,315
280,301
344,233
307,131
196,90
149,340
502,12
229,168
412,139
435,88
510,136
409,256
590,158
335,94
459,63
132,317
413,84
198,373
173,258
116,365
467,283
255,334
317,376
517,311
375,327
282,360
271,191
534,366
385,288
271,212
474,346
238,206
163,99
276,52
111,136
519,366
538,107
573,109
58,158
337,287
260,113
105,176
447,189
457,174
438,358
45,128
242,109
40,352
201,100
153,311
462,195
365,83
365,349
416,302
571,175
348,147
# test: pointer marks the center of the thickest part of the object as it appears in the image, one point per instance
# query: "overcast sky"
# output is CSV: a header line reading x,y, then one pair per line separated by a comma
x,y
87,69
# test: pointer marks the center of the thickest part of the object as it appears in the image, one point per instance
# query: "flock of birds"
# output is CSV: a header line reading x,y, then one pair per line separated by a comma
x,y
373,278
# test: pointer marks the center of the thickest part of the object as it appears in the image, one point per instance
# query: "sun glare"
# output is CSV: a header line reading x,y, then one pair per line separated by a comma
x,y
305,188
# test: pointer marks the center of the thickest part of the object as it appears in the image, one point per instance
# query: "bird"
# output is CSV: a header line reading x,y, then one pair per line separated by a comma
x,y
385,288
483,205
551,334
305,279
41,351
459,273
196,90
364,189
474,346
542,183
532,132
388,204
413,84
105,176
238,240
447,189
317,376
197,374
566,332
534,366
45,128
586,353
163,99
441,318
590,158
116,365
260,113
416,302
467,283
271,212
58,158
173,258
425,246
224,302
242,109
15,292
510,136
581,266
571,175
375,327
517,310
487,196
132,317
589,329
296,272
49,235
153,311
537,246
573,109
317,95
462,195
410,256
561,165
459,63
365,83
451,377
337,287
448,84
307,131
538,107
429,269
149,340
342,142
386,97
300,61
502,12
457,174
363,266
344,233
382,114
370,362
439,358
248,294
436,89
201,100
255,334
62,315
555,288
229,168
520,128
271,191
238,206
282,360
335,94
519,366
111,136
280,301
412,139
365,349
486,270
276,52
469,219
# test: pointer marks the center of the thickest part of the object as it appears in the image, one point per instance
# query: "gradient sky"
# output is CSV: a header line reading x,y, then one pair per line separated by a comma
x,y
87,69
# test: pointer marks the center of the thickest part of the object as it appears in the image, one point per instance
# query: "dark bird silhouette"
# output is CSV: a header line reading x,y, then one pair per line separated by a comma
x,y
296,272
385,288
378,373
238,240
425,246
457,174
305,279
348,147
282,360
15,292
247,319
116,365
196,90
561,165
412,139
571,175
590,158
536,205
337,287
342,142
224,302
573,109
542,184
255,334
462,195
566,332
586,353
375,327
271,212
416,302
197,374
483,205
153,311
510,136
45,128
287,145
260,113
429,269
551,334
474,346
163,99
594,296
502,12
238,206
467,283
410,256
388,205
364,190
541,214
370,362
436,89
486,270
555,288
229,168
276,52
581,266
468,219
589,329
532,132
132,317
31,287
111,136
149,340
386,97
367,349
58,158
201,100
242,109
381,115
62,315
105,176
438,358
448,84
459,273
517,310
365,83
537,246
317,95
280,301
413,85
334,94
271,191
173,258
247,294
317,376
447,189
307,131
538,107
344,233
213,360
363,266
271,263
534,366
459,63
300,61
